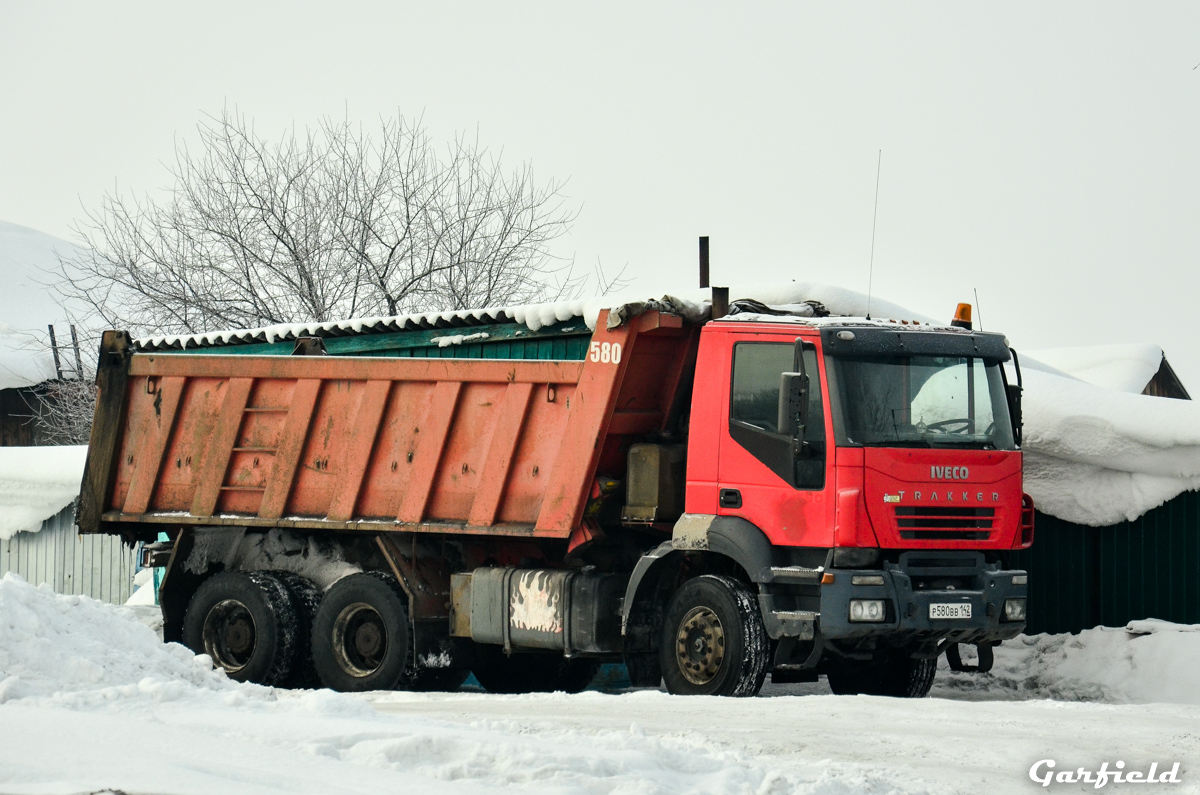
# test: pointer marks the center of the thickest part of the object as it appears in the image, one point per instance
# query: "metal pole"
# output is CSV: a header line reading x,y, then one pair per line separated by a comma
x,y
78,358
54,347
720,302
704,261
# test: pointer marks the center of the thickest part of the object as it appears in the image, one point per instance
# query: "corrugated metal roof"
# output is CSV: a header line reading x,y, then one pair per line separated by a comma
x,y
337,328
691,304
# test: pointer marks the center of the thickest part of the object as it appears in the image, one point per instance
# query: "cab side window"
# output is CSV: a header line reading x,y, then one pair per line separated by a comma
x,y
754,411
756,370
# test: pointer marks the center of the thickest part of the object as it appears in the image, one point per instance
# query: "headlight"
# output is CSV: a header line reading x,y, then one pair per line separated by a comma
x,y
867,610
867,579
1014,609
1020,579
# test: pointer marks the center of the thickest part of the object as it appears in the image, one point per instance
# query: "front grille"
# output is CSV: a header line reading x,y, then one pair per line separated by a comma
x,y
951,523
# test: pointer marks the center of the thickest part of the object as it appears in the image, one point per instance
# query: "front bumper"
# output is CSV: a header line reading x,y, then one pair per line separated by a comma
x,y
910,586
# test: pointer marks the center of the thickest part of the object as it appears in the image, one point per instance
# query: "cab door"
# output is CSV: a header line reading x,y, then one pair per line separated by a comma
x,y
763,476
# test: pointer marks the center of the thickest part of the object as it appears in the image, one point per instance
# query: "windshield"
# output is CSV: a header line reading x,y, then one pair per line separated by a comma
x,y
924,401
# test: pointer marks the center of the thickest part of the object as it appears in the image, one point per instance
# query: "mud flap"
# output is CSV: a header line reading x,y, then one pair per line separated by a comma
x,y
984,665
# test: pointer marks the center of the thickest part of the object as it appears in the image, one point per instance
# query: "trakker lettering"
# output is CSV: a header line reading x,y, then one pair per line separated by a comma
x,y
933,495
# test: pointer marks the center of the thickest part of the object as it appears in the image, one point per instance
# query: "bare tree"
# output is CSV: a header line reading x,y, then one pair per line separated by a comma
x,y
332,224
62,410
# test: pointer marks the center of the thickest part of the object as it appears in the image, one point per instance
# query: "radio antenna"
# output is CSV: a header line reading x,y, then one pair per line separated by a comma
x,y
874,219
978,308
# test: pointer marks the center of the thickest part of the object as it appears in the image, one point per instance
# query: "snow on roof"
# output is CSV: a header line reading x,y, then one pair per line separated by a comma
x,y
1098,456
36,483
1125,368
27,305
689,303
334,328
24,360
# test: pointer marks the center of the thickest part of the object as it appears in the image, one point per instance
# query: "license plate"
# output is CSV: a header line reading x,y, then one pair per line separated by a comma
x,y
950,610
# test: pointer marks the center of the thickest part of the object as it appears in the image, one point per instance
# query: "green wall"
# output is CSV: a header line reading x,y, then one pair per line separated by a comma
x,y
564,341
1081,577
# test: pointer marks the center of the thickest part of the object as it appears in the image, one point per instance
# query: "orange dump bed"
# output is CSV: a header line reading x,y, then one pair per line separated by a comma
x,y
438,445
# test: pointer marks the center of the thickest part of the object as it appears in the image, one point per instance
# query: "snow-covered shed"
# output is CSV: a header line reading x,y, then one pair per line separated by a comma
x,y
1117,472
27,309
38,538
1135,368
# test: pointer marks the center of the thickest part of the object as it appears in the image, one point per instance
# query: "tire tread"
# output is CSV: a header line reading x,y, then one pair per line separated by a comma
x,y
752,634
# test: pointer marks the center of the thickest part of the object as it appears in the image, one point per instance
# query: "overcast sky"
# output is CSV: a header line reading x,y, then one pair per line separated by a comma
x,y
1044,154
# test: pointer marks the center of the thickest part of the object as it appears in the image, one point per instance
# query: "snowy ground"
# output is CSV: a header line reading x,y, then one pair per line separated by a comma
x,y
91,701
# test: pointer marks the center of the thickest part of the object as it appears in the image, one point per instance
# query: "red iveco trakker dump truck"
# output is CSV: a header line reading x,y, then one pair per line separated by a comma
x,y
708,501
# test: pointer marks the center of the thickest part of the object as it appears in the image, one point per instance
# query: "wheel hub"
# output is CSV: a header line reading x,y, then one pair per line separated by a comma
x,y
240,637
367,640
360,639
700,645
229,635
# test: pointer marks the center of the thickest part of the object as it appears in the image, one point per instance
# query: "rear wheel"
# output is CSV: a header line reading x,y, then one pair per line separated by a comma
x,y
247,623
532,672
713,640
306,598
895,674
360,638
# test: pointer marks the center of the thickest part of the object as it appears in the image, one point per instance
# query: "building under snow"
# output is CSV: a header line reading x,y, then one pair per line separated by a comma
x,y
1118,527
39,484
38,537
28,311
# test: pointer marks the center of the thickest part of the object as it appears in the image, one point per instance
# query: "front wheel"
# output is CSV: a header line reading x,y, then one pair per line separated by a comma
x,y
713,639
896,674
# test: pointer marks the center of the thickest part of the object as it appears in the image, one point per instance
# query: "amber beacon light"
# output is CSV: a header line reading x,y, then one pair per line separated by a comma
x,y
962,316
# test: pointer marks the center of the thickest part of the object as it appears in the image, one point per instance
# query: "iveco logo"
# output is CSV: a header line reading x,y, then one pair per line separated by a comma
x,y
948,473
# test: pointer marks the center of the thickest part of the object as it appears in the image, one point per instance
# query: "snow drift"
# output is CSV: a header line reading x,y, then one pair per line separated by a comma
x,y
36,483
1149,661
65,646
83,682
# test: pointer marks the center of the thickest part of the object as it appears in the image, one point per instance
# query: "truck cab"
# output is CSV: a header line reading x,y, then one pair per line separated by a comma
x,y
866,475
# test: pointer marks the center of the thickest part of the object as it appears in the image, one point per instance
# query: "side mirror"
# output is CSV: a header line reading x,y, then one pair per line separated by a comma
x,y
1013,393
793,404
